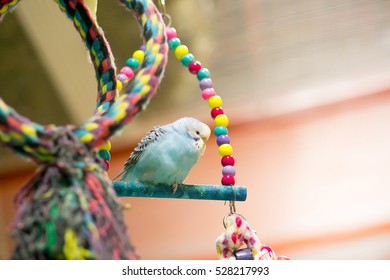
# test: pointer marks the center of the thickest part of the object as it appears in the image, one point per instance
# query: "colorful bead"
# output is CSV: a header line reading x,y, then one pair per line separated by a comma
x,y
225,150
227,160
104,154
220,130
216,111
128,72
203,74
173,43
119,85
223,139
123,78
187,59
215,101
139,55
106,165
221,120
207,93
194,67
243,254
181,51
228,170
106,146
171,33
205,83
133,63
227,180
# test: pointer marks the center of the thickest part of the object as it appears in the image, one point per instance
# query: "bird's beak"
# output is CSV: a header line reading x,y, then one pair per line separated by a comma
x,y
203,149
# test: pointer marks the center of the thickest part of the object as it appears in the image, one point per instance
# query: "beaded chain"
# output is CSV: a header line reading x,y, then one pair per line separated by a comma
x,y
221,120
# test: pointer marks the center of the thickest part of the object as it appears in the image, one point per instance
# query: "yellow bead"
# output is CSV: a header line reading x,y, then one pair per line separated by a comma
x,y
106,146
181,51
119,85
215,101
139,55
221,120
225,150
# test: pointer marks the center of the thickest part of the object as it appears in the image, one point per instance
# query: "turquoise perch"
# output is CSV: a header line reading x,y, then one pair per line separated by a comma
x,y
206,192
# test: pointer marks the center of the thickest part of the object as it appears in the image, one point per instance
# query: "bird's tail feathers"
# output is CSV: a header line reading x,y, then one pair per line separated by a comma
x,y
119,175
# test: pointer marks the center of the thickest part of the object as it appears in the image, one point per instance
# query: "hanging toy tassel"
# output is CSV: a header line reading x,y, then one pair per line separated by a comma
x,y
238,233
69,209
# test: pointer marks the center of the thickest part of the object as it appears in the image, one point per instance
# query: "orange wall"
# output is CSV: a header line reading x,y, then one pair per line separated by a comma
x,y
317,188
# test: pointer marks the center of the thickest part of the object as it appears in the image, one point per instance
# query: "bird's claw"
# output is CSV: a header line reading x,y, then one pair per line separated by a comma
x,y
174,187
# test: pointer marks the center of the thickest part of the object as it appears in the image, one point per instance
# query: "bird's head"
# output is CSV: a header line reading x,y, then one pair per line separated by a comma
x,y
197,130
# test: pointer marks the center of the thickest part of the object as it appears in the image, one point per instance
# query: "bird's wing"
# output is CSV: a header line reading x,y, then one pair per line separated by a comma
x,y
153,136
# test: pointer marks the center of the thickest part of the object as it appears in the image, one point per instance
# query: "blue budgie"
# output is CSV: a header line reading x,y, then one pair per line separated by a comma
x,y
167,154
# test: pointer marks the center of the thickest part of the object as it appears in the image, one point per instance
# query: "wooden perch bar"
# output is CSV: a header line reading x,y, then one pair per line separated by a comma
x,y
205,192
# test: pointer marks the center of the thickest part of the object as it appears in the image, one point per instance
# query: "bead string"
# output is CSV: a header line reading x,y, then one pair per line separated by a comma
x,y
126,74
221,120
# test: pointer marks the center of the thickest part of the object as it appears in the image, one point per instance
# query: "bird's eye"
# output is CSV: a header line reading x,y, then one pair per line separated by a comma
x,y
197,132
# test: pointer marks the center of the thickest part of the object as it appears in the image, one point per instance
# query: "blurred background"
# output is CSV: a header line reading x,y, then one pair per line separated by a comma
x,y
306,86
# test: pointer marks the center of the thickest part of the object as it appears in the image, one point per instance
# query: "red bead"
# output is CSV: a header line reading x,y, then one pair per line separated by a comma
x,y
194,67
227,160
216,111
106,165
227,180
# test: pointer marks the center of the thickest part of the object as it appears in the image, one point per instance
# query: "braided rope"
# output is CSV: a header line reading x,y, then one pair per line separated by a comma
x,y
98,47
69,209
7,6
100,127
33,140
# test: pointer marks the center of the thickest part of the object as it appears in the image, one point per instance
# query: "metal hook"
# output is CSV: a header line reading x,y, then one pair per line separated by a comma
x,y
228,215
232,204
164,13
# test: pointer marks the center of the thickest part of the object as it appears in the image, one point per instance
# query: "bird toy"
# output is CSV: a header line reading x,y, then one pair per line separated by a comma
x,y
239,233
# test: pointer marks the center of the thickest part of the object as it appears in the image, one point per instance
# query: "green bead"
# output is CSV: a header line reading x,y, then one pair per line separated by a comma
x,y
173,43
220,130
203,73
187,59
104,154
133,63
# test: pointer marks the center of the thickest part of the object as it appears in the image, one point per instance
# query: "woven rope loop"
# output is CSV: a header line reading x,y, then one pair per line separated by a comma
x,y
33,140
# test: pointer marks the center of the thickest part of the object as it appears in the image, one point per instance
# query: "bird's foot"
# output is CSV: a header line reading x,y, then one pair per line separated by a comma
x,y
174,187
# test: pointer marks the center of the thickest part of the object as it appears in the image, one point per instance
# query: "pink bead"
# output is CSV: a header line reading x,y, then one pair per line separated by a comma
x,y
227,160
227,180
194,67
128,72
171,33
106,165
216,111
207,93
